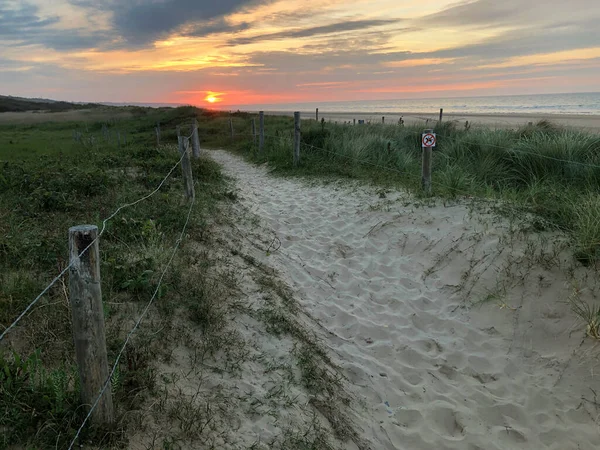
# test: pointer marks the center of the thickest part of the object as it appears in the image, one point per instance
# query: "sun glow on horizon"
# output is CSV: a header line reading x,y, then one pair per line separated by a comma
x,y
213,97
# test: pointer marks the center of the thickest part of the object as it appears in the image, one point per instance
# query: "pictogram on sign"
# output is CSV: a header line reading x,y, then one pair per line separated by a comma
x,y
429,140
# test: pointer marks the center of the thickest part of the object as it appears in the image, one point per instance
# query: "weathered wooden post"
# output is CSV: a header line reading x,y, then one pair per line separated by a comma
x,y
317,115
231,127
296,138
383,120
85,296
261,131
119,137
441,113
195,139
354,121
186,166
427,142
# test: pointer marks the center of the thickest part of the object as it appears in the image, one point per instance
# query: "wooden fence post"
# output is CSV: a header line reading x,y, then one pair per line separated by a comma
x,y
119,137
157,129
354,121
296,138
231,127
85,296
317,114
441,113
261,131
426,167
195,139
186,166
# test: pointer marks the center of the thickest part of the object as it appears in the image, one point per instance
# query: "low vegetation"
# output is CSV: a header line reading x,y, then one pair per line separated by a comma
x,y
48,183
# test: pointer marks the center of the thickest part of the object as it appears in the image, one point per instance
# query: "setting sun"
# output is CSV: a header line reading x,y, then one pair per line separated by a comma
x,y
213,97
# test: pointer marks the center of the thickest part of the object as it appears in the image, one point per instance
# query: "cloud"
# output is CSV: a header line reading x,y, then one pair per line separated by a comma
x,y
21,20
214,27
21,24
333,28
552,38
484,13
140,23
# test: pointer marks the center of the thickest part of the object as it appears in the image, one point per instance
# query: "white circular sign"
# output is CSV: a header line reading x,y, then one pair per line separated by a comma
x,y
429,140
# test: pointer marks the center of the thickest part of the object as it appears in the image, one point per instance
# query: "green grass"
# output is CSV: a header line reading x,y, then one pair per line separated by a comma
x,y
48,183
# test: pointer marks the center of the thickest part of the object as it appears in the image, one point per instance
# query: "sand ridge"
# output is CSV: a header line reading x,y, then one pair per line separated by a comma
x,y
390,283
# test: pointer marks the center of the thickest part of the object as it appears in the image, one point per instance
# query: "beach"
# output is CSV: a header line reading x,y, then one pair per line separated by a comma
x,y
494,121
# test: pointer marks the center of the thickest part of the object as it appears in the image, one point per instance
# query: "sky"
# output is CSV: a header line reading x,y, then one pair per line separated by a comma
x,y
244,52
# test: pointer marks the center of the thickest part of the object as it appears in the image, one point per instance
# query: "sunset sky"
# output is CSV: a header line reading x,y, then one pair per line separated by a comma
x,y
237,52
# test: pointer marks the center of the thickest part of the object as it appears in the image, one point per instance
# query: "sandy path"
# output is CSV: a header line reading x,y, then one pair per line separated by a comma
x,y
389,282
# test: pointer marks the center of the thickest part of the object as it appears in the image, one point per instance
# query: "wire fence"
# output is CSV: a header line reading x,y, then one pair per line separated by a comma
x,y
75,261
136,326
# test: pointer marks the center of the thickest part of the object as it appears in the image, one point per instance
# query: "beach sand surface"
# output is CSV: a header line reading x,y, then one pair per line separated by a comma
x,y
450,326
494,121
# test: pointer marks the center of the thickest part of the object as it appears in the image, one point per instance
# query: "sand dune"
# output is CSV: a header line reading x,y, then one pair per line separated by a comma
x,y
393,285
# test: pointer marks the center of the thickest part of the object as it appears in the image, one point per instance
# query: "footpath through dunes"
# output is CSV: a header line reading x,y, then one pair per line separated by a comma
x,y
451,324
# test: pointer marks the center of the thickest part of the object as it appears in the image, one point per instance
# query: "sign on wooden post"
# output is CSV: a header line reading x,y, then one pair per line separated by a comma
x,y
428,141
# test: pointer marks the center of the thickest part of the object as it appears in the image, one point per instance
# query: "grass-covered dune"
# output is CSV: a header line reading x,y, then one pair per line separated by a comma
x,y
543,169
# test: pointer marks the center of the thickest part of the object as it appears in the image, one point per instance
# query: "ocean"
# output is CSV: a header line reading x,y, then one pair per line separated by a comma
x,y
580,103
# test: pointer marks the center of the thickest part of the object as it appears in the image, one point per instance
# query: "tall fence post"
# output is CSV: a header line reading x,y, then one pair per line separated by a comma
x,y
296,138
261,131
383,120
317,114
441,113
85,296
119,137
354,121
426,167
186,166
157,134
195,139
231,127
